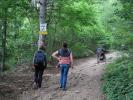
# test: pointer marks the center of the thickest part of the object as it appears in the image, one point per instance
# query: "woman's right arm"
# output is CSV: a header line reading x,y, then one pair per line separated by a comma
x,y
54,55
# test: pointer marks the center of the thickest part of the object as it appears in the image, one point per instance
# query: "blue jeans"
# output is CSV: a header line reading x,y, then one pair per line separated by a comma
x,y
64,73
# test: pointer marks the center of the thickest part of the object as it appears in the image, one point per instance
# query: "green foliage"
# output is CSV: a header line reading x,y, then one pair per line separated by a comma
x,y
6,68
74,22
82,48
19,31
71,21
118,83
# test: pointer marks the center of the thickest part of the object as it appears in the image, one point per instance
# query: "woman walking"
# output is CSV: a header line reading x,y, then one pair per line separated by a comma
x,y
65,58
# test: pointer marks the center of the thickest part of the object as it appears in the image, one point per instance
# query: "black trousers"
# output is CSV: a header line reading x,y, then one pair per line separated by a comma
x,y
100,57
39,69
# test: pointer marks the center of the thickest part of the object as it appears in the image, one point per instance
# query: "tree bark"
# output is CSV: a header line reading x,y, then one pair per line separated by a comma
x,y
41,41
3,44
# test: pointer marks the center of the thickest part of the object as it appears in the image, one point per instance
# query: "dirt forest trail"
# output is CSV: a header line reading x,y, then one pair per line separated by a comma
x,y
84,82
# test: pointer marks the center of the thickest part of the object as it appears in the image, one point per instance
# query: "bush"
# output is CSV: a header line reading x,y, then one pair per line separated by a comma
x,y
81,50
7,67
118,82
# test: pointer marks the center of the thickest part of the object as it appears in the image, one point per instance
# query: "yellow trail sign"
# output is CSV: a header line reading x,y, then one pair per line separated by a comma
x,y
43,33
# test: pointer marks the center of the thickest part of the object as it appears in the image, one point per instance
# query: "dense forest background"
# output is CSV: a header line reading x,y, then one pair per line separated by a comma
x,y
84,24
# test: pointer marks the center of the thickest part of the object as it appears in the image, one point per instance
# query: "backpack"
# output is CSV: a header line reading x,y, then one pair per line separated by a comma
x,y
40,57
64,53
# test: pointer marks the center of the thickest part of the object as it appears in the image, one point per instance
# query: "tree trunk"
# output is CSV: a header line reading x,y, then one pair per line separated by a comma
x,y
3,44
41,41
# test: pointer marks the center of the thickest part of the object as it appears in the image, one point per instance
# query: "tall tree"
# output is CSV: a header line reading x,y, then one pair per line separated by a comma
x,y
42,22
4,34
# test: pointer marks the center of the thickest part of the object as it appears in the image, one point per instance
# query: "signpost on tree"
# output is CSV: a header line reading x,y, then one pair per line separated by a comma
x,y
43,25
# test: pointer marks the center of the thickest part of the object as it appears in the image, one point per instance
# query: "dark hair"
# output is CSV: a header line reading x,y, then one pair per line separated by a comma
x,y
65,45
41,48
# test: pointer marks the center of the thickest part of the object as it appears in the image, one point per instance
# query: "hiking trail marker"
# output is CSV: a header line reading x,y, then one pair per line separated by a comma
x,y
43,29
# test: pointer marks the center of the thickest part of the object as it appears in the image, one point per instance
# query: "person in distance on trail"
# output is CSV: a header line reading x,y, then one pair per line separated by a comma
x,y
65,58
39,64
100,55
